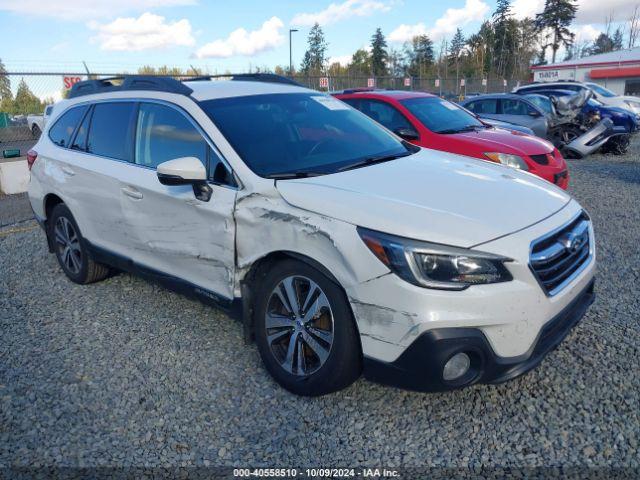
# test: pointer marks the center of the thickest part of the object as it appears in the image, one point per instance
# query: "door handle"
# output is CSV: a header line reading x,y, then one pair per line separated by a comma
x,y
131,192
68,172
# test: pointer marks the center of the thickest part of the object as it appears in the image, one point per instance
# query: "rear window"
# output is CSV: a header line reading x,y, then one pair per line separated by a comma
x,y
62,130
110,134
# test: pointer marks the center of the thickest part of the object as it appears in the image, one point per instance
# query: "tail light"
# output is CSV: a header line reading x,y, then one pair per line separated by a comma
x,y
32,155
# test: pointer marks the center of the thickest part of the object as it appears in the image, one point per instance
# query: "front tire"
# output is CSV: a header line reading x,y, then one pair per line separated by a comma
x,y
305,331
70,248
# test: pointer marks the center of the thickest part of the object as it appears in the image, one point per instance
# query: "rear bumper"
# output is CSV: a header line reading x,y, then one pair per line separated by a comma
x,y
420,365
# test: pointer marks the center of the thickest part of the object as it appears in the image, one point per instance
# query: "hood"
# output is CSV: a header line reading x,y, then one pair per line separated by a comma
x,y
431,195
503,141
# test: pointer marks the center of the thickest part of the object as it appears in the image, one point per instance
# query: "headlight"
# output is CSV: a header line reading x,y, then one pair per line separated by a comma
x,y
434,265
507,159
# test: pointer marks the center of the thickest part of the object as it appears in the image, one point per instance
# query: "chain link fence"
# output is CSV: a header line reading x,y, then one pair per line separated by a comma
x,y
24,96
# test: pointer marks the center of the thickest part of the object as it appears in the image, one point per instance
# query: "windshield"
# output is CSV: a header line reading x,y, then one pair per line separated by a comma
x,y
601,90
284,134
540,101
441,116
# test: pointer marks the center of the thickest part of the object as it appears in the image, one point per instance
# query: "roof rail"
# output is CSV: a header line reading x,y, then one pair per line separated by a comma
x,y
129,82
249,77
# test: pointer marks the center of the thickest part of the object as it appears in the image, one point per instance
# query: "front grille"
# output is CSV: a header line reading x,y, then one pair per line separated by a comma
x,y
540,159
557,258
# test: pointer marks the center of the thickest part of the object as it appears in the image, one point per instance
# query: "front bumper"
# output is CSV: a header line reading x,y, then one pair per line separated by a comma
x,y
420,365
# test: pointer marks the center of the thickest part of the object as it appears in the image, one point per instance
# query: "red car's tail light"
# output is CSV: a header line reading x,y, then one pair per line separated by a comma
x,y
32,156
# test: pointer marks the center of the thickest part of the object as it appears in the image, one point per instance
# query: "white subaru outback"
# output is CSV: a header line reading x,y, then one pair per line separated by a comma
x,y
341,248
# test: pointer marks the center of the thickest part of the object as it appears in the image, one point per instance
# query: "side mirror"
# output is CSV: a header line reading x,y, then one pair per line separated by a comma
x,y
186,171
534,114
408,134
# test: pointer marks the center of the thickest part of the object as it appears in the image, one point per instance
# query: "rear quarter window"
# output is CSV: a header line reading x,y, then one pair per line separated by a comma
x,y
61,131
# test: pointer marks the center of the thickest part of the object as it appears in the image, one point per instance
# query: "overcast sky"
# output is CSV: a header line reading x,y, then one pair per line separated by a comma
x,y
115,34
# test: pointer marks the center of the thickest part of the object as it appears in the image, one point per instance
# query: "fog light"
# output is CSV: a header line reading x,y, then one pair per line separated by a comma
x,y
456,367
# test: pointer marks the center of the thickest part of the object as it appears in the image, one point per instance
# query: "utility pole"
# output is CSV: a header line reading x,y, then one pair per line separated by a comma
x,y
291,30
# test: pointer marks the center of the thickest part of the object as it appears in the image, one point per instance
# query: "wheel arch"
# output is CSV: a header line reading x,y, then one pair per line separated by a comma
x,y
255,270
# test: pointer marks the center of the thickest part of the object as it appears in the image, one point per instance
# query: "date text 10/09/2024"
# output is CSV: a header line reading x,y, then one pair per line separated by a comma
x,y
316,472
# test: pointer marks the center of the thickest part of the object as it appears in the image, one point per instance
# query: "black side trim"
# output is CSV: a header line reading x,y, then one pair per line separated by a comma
x,y
420,365
101,255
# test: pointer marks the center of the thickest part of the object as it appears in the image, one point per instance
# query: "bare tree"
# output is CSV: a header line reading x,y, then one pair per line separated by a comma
x,y
634,27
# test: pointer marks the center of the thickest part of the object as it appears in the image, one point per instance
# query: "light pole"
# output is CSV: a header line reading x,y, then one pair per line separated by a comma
x,y
291,30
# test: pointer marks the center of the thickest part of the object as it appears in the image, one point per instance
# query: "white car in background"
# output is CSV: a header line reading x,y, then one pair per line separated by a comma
x,y
600,93
37,123
341,247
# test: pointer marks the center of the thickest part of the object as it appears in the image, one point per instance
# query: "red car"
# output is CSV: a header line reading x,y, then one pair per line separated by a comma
x,y
431,122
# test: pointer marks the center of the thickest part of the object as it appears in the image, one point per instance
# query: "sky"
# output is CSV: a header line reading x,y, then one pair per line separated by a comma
x,y
235,35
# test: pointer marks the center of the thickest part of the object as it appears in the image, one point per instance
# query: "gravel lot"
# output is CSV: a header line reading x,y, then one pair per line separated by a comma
x,y
124,373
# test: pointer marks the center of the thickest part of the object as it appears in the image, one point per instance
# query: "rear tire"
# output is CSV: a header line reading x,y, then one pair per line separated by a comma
x,y
326,354
35,131
71,250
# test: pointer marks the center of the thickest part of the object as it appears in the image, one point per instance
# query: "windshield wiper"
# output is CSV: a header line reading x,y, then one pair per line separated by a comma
x,y
298,174
374,159
469,128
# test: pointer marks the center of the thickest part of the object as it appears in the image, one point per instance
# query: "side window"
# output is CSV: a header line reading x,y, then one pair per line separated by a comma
x,y
472,107
80,140
486,106
110,133
385,114
354,102
163,133
513,107
61,131
47,110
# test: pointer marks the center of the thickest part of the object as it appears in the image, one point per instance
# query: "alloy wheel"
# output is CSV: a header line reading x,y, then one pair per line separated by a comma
x,y
68,244
299,325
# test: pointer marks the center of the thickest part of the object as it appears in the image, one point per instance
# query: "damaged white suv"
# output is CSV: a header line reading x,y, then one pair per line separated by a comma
x,y
342,248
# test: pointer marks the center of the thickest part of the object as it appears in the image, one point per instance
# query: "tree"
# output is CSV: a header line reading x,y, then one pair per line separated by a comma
x,y
361,62
455,51
602,44
379,55
634,28
6,97
315,56
618,39
397,63
419,55
554,23
26,102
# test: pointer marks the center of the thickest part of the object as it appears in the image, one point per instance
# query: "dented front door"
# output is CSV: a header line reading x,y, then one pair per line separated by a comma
x,y
178,235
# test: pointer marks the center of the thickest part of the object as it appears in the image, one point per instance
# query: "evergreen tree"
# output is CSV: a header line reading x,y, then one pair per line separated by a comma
x,y
379,55
505,37
554,22
602,44
455,51
26,102
618,39
315,57
419,55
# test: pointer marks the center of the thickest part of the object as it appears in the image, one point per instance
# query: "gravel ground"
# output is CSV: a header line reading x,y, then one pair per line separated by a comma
x,y
126,373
